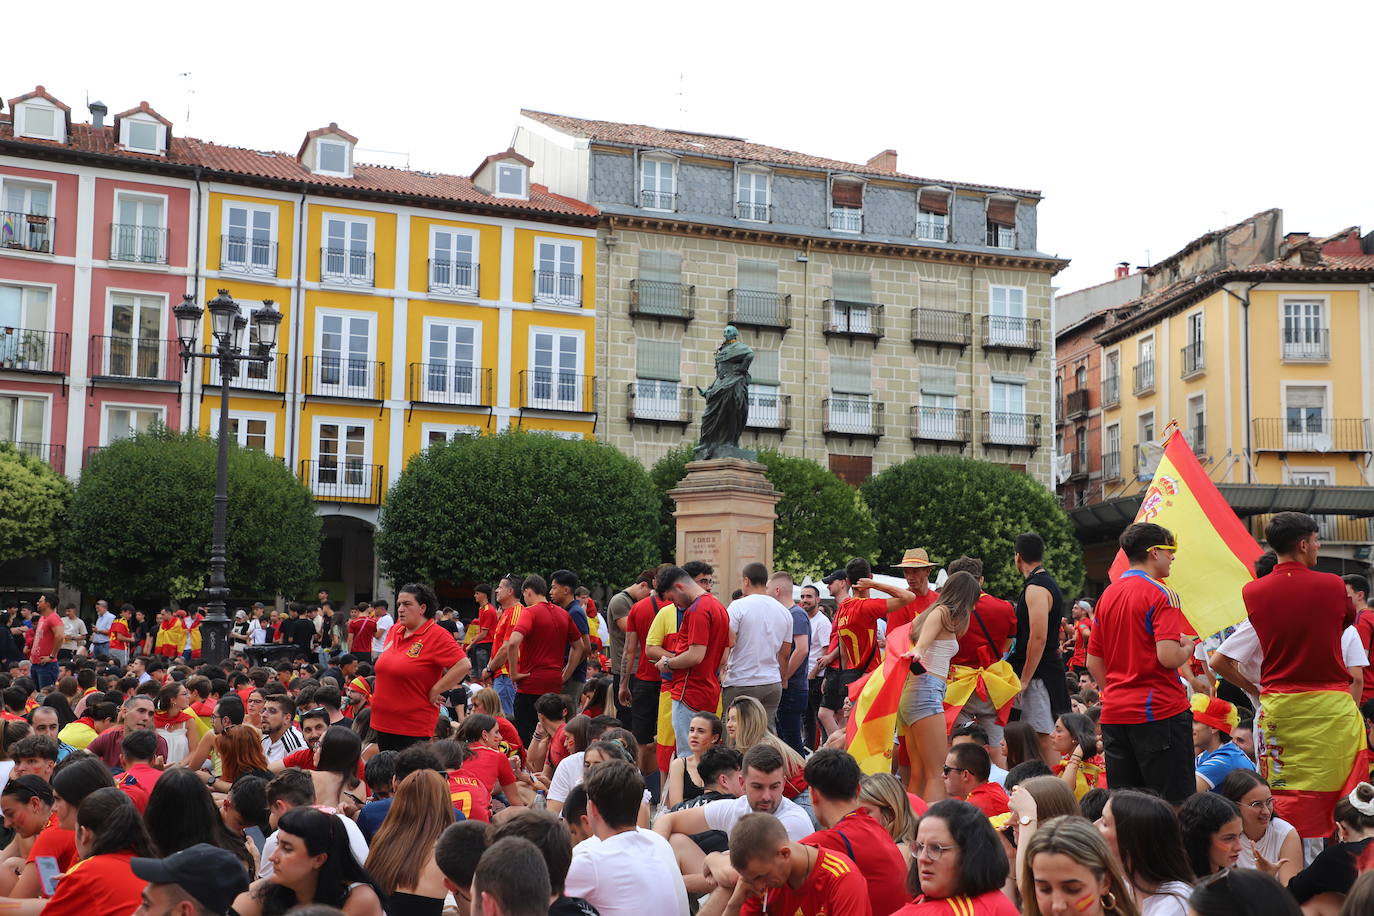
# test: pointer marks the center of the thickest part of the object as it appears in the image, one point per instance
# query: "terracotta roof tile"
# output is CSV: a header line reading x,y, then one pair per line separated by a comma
x,y
723,146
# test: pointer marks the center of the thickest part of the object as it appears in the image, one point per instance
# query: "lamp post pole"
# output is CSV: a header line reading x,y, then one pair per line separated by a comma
x,y
230,349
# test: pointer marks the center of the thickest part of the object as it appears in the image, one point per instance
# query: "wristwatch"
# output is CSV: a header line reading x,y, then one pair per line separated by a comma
x,y
1025,819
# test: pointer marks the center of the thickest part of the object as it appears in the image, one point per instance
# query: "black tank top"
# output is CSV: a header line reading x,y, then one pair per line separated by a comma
x,y
1050,671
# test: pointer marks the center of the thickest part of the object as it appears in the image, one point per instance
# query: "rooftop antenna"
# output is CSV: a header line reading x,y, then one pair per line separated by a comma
x,y
682,97
190,91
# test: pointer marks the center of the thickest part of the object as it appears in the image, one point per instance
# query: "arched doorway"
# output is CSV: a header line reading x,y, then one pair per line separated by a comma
x,y
348,559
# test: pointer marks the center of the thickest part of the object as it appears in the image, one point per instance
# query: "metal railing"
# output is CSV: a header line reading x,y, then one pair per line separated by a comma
x,y
242,255
139,358
1111,391
768,410
852,415
557,288
1196,437
932,230
1194,359
1111,465
941,424
29,350
1080,463
941,326
1311,434
1305,344
54,455
853,319
1007,332
1144,377
449,383
343,481
1021,430
268,377
1147,461
752,212
657,200
27,231
846,219
758,309
552,389
662,299
139,244
1001,236
1077,403
655,401
345,377
453,278
347,266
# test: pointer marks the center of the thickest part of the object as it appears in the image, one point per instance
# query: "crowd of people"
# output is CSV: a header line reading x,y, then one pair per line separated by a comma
x,y
673,753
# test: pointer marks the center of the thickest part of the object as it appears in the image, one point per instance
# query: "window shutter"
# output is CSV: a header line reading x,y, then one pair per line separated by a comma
x,y
659,359
847,193
1002,212
850,375
660,266
852,469
852,286
932,201
938,380
758,276
1306,397
765,369
939,294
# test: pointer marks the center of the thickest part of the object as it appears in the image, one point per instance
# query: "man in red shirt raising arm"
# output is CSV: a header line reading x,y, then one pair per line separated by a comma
x,y
704,633
1135,651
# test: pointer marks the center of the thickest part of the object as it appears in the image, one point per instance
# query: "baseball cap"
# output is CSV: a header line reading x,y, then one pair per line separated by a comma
x,y
212,875
240,613
836,576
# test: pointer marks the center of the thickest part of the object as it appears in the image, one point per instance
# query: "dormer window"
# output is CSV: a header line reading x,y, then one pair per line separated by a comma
x,y
142,130
143,136
504,175
39,122
510,180
328,151
333,157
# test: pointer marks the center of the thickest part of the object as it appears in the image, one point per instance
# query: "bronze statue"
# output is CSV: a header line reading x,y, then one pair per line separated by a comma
x,y
727,401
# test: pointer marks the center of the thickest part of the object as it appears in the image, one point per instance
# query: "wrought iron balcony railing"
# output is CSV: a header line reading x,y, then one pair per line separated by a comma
x,y
941,327
254,257
758,309
662,299
335,480
138,244
31,350
950,425
345,377
27,231
654,401
449,383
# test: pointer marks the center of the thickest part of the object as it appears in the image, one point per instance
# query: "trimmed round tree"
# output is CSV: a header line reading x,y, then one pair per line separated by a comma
x,y
34,500
479,507
143,515
822,521
958,506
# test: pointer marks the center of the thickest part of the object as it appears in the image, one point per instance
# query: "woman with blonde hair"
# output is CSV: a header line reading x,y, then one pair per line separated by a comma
x,y
885,799
1069,869
488,701
746,723
420,811
934,641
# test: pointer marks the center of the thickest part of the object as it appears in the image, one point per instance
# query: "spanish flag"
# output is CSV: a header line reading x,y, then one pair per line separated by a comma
x,y
873,720
1216,554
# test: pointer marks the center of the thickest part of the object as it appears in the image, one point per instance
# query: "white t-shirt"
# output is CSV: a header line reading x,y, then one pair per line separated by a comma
x,y
1243,648
1170,900
1268,845
566,777
257,634
820,638
384,623
628,874
356,842
73,632
725,813
761,625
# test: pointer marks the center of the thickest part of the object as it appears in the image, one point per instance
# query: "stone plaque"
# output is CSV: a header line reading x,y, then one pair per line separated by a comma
x,y
704,545
752,548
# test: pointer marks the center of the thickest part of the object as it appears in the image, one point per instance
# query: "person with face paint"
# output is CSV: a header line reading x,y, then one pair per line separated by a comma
x,y
1069,871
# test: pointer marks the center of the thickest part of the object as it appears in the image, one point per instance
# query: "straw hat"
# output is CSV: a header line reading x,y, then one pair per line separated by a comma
x,y
916,558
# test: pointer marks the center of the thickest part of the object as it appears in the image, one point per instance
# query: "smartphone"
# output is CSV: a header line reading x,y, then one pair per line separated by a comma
x,y
48,873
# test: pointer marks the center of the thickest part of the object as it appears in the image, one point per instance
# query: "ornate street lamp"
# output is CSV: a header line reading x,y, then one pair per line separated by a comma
x,y
227,327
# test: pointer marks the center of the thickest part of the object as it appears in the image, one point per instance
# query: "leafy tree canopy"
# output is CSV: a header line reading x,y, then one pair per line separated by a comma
x,y
34,500
476,508
143,515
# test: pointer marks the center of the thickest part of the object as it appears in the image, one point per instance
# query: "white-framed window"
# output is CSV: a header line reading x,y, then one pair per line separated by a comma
x,y
1307,427
851,395
554,380
1007,324
1111,452
24,421
26,208
249,430
343,467
344,344
1007,416
766,410
511,178
557,274
139,232
851,306
658,374
453,360
124,421
39,121
253,375
1145,365
1196,420
453,255
937,416
658,183
438,433
134,344
331,157
1305,334
250,234
25,320
752,187
347,255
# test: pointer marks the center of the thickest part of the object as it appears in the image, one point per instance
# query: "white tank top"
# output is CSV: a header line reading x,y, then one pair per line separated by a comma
x,y
937,656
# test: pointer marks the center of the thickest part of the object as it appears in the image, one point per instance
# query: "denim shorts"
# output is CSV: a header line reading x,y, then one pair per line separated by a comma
x,y
922,696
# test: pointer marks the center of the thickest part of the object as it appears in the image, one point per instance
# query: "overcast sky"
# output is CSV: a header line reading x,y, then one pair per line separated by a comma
x,y
1143,124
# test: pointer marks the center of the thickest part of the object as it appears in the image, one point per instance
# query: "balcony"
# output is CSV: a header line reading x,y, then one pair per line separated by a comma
x,y
658,200
753,213
941,327
29,350
138,244
1078,464
846,219
1144,381
768,410
757,309
1111,391
1111,465
1196,437
1306,345
552,389
1194,359
347,481
1147,461
347,266
1011,430
1001,236
941,425
1311,434
458,279
852,416
54,455
659,299
27,231
1007,332
654,401
269,378
251,257
932,230
1077,403
853,319
553,287
449,383
135,359
345,377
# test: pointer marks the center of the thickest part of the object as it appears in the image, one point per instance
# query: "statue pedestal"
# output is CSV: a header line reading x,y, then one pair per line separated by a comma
x,y
725,513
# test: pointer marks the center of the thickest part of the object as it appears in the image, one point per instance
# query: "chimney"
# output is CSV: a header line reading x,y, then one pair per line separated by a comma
x,y
1123,270
885,161
98,112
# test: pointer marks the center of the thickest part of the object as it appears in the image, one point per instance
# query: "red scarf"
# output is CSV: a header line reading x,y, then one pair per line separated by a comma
x,y
166,720
86,721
